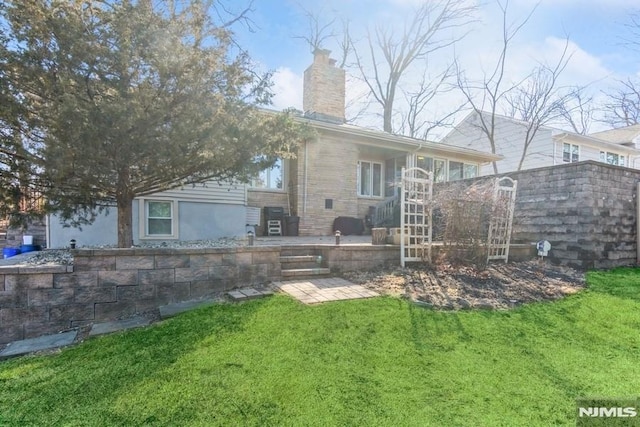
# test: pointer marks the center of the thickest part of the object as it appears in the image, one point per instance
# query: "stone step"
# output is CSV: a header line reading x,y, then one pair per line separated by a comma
x,y
292,262
299,273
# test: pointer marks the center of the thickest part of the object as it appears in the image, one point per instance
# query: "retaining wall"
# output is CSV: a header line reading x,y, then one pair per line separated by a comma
x,y
586,210
108,284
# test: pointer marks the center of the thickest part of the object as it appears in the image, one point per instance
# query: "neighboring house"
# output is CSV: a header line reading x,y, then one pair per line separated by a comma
x,y
549,147
342,172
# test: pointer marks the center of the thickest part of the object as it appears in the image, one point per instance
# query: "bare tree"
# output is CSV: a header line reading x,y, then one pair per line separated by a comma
x,y
413,123
535,100
390,54
578,110
622,107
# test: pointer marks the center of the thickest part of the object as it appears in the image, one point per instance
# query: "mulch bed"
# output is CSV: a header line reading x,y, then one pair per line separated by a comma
x,y
451,287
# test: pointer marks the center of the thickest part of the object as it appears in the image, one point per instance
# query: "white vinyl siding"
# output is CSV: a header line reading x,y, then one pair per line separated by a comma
x,y
210,191
509,137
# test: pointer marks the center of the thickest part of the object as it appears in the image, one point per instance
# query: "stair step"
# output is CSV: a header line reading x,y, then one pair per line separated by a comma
x,y
306,272
298,258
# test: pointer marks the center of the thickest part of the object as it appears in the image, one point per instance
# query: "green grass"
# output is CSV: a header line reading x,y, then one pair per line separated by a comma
x,y
381,361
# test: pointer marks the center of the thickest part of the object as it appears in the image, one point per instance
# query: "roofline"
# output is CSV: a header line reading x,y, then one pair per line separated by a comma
x,y
414,144
597,141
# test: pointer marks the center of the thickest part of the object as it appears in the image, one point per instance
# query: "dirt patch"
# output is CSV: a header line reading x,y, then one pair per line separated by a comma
x,y
499,286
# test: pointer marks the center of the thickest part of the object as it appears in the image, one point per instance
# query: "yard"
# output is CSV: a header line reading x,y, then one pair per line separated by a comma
x,y
382,361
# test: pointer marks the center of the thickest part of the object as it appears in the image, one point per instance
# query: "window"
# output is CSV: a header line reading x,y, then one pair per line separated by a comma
x,y
570,153
437,166
271,178
369,179
459,170
612,158
159,219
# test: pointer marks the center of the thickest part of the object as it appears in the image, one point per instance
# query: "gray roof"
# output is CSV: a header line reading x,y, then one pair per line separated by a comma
x,y
623,135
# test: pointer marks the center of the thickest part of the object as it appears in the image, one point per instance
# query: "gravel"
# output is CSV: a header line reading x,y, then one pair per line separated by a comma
x,y
64,256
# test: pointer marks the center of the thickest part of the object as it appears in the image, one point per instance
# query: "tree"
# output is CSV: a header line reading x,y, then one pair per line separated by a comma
x,y
117,100
622,106
390,55
536,99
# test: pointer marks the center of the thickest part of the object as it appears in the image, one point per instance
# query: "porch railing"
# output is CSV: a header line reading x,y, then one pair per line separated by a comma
x,y
383,212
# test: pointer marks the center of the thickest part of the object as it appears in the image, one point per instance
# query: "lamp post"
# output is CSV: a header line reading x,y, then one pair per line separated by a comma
x,y
250,237
337,237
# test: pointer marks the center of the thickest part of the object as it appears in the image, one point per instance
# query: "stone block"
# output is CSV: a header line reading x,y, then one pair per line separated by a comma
x,y
205,260
135,262
201,289
243,258
114,310
72,280
190,274
173,292
134,293
21,315
12,299
118,278
29,281
50,297
91,263
263,257
172,261
37,329
152,277
72,312
93,294
11,333
223,272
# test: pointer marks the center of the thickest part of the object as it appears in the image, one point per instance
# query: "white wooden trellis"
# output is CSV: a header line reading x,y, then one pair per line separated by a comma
x,y
416,215
501,219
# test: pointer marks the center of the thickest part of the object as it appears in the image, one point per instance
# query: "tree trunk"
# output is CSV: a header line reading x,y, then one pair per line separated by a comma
x,y
125,228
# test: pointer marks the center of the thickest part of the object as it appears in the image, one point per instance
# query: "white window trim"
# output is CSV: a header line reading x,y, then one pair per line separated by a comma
x,y
143,224
606,154
382,181
285,173
570,152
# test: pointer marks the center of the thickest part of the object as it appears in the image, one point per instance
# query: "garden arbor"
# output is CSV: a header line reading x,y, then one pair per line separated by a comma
x,y
475,219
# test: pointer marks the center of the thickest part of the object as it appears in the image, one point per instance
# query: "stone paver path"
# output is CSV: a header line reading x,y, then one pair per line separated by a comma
x,y
314,291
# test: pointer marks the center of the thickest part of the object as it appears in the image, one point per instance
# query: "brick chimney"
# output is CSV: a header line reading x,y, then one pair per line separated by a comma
x,y
324,89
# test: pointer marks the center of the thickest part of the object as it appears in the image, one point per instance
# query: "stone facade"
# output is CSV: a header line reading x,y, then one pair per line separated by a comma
x,y
324,88
109,284
35,228
586,210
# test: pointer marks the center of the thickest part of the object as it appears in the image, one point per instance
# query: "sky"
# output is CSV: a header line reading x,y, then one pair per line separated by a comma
x,y
598,33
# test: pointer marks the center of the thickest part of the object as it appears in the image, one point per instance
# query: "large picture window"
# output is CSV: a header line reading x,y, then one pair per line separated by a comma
x,y
370,179
271,178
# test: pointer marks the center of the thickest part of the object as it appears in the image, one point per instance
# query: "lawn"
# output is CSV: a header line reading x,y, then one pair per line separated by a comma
x,y
382,361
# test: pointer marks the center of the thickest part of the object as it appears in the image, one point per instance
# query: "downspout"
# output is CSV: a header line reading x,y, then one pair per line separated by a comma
x,y
304,195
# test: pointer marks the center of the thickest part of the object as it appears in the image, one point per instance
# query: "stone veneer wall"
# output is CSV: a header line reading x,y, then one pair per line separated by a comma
x,y
586,210
108,284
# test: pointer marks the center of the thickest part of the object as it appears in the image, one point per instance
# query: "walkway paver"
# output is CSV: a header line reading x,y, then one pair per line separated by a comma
x,y
118,325
315,291
243,294
47,342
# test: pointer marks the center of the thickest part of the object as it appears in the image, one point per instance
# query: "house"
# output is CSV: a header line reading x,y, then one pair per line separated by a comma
x,y
342,172
550,146
347,169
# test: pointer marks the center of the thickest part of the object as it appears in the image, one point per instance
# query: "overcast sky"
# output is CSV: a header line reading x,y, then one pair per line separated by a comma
x,y
597,30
